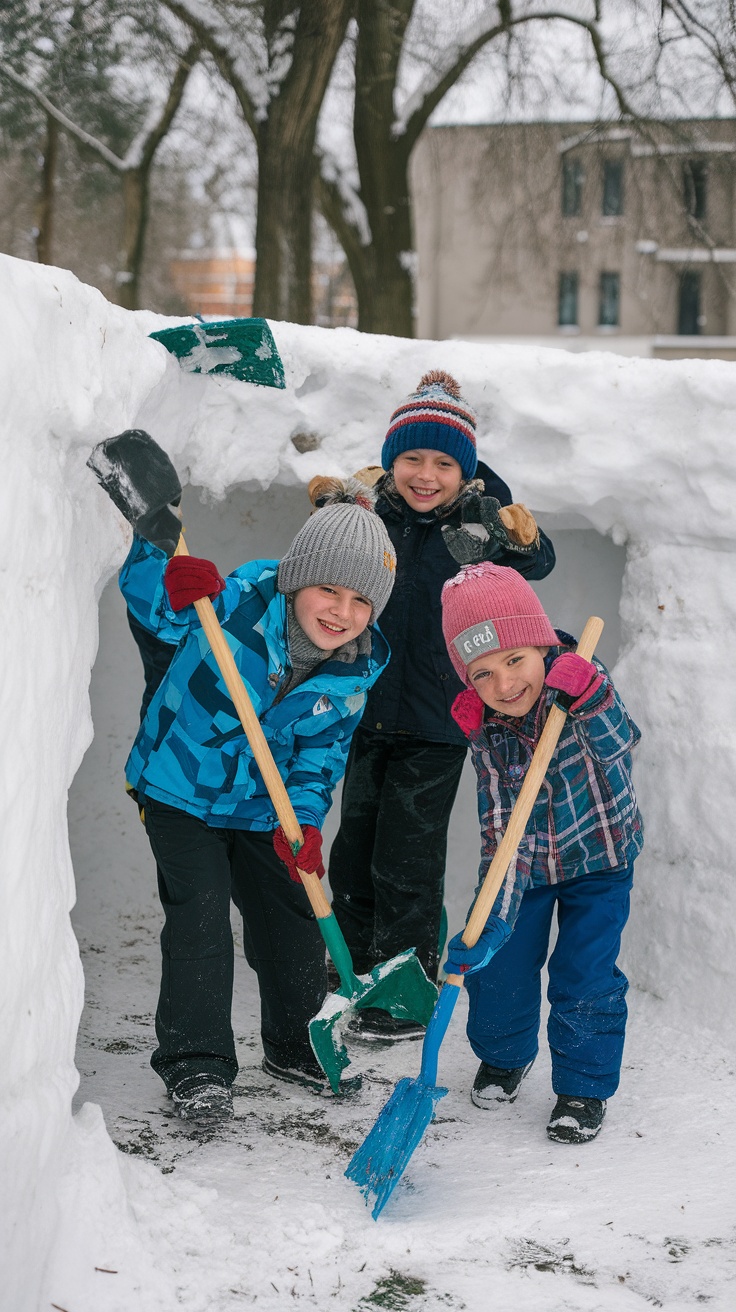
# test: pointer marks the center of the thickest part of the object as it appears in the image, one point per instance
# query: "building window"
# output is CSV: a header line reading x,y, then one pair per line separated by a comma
x,y
610,295
572,187
688,309
694,183
613,187
567,313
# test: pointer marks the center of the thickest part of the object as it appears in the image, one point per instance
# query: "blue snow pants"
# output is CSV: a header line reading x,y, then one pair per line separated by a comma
x,y
587,991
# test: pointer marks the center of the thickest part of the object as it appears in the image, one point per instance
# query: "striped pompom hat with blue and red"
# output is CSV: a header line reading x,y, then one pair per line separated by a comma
x,y
436,418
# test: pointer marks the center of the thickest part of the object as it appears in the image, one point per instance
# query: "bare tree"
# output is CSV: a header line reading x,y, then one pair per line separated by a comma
x,y
709,26
133,168
278,57
373,221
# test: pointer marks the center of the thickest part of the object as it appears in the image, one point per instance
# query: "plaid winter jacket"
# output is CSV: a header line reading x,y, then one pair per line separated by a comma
x,y
585,818
191,751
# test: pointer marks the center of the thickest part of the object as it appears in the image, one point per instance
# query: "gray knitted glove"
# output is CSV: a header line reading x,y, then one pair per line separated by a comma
x,y
489,530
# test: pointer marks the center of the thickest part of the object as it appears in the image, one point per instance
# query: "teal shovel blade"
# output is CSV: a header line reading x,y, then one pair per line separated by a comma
x,y
234,348
398,986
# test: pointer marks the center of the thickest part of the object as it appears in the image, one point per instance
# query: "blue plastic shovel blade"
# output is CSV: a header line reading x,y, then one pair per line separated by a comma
x,y
378,1165
381,1160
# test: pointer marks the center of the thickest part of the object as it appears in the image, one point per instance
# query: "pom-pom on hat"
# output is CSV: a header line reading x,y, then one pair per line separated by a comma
x,y
435,417
344,543
488,608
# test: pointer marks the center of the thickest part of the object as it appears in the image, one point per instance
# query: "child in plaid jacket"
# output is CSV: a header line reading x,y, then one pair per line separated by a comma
x,y
576,856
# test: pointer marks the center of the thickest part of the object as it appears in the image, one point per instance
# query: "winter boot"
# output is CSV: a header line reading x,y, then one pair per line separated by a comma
x,y
492,1084
575,1120
203,1098
373,1023
312,1078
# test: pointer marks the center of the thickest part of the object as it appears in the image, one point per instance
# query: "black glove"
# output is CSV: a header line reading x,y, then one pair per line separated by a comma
x,y
483,534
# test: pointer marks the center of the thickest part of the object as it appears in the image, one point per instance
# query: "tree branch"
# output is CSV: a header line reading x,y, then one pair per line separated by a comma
x,y
223,57
331,202
141,151
417,119
85,137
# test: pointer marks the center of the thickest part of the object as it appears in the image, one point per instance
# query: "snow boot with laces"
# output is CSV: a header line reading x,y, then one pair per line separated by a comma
x,y
312,1078
575,1120
203,1098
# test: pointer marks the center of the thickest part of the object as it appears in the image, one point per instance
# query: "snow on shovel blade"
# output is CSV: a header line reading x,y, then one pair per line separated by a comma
x,y
398,986
382,1158
141,481
238,348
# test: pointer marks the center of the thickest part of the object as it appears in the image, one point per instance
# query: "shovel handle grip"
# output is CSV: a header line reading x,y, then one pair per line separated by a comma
x,y
257,740
528,793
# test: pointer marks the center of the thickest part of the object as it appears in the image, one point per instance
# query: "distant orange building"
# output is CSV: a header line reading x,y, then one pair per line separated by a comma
x,y
216,281
220,282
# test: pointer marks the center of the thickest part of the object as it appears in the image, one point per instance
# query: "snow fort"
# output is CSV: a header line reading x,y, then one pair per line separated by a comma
x,y
629,464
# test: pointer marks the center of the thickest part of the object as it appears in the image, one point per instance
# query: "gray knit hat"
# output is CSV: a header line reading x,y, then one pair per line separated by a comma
x,y
345,544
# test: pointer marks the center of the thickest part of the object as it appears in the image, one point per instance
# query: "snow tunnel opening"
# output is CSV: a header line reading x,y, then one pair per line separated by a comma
x,y
117,917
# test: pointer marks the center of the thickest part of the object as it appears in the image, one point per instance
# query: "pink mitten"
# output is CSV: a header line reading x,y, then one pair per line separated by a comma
x,y
576,677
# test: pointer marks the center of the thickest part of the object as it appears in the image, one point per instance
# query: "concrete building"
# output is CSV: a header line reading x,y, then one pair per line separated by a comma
x,y
579,235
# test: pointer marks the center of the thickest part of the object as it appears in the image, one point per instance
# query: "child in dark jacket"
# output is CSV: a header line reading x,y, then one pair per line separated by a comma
x,y
441,508
299,634
576,856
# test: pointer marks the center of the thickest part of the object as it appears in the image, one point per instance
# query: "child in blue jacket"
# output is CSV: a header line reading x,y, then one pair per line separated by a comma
x,y
576,857
299,632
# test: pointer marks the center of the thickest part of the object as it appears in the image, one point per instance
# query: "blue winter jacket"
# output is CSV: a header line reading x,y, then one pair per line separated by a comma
x,y
585,818
191,751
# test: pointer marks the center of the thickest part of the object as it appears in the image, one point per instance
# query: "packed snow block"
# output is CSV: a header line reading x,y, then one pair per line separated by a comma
x,y
679,612
641,451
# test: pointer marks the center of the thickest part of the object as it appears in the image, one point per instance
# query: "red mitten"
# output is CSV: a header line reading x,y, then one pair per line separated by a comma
x,y
309,856
575,677
189,578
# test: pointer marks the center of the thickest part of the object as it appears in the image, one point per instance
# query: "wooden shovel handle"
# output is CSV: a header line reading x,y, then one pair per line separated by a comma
x,y
528,793
257,740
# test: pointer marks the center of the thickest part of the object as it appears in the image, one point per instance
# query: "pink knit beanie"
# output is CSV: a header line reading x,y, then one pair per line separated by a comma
x,y
490,608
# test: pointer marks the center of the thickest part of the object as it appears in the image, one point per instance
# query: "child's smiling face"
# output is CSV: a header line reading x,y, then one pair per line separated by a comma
x,y
509,681
426,478
331,615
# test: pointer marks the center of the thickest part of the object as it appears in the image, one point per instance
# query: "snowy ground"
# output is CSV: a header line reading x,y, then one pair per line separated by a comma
x,y
490,1215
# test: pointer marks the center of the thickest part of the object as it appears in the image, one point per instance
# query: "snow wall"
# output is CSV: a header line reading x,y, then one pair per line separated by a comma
x,y
639,450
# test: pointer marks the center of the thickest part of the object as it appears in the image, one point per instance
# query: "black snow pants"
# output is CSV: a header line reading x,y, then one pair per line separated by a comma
x,y
200,868
387,863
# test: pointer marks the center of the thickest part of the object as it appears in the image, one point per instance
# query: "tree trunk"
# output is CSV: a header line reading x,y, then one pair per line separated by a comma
x,y
135,219
283,285
386,303
283,226
45,206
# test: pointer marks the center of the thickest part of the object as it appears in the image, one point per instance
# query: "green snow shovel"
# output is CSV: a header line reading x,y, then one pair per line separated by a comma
x,y
142,482
236,348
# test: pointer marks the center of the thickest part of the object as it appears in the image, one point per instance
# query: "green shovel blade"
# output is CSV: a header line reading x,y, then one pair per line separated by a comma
x,y
398,986
236,348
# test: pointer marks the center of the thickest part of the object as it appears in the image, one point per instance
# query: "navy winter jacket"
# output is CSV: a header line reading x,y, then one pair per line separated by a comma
x,y
415,694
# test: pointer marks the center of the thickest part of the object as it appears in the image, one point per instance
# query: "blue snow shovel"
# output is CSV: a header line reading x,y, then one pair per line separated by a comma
x,y
382,1158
